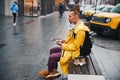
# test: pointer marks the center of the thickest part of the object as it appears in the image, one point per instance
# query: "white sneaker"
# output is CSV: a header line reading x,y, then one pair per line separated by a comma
x,y
14,24
80,61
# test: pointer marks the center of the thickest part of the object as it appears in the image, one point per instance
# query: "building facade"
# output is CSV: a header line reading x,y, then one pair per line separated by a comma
x,y
2,7
42,7
28,7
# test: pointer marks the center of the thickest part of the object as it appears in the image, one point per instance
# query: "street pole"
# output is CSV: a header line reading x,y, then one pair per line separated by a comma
x,y
76,1
96,6
90,2
114,2
32,8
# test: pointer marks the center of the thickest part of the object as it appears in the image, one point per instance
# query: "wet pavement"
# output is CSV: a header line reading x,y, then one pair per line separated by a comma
x,y
24,48
108,43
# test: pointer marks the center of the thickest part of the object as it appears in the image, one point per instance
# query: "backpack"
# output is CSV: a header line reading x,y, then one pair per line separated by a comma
x,y
87,45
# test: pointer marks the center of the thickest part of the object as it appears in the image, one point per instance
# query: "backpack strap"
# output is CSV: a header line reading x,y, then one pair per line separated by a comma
x,y
75,35
73,32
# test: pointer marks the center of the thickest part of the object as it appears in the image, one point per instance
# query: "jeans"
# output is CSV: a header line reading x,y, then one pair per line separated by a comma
x,y
54,57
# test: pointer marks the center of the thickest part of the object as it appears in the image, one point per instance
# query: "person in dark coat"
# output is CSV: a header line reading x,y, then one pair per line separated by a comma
x,y
61,9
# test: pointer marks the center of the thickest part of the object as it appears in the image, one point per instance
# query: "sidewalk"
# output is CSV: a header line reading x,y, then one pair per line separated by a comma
x,y
109,62
7,21
26,52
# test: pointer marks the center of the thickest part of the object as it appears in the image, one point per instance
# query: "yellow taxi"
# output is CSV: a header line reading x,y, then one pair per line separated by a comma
x,y
88,13
107,24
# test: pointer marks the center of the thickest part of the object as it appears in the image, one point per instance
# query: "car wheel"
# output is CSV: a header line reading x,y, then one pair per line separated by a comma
x,y
106,31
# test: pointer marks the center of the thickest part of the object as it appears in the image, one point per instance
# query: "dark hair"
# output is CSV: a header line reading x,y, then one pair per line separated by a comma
x,y
15,2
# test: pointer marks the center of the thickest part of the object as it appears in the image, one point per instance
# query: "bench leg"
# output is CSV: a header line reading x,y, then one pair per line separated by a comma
x,y
71,67
77,69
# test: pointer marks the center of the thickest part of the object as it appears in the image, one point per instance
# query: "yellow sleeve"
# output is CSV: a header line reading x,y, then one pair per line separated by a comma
x,y
79,39
69,35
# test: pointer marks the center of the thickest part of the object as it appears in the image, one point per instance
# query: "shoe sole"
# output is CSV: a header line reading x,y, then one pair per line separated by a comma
x,y
42,76
51,77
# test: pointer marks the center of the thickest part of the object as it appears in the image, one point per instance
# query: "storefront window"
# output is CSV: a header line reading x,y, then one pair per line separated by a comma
x,y
31,7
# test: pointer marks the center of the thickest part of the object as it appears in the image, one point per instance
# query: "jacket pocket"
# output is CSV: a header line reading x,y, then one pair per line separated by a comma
x,y
64,58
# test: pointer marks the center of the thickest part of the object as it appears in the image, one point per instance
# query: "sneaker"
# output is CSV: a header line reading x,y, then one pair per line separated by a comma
x,y
52,75
43,73
83,60
80,61
14,24
76,61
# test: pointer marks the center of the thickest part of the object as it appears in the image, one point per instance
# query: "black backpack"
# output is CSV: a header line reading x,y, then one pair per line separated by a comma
x,y
87,45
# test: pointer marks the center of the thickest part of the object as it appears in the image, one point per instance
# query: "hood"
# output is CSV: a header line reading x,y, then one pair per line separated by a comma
x,y
81,26
105,14
14,4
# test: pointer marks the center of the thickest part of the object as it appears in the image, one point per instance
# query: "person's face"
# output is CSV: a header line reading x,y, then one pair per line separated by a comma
x,y
72,17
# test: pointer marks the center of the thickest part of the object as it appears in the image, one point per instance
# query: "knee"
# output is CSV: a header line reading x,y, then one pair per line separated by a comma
x,y
51,57
52,50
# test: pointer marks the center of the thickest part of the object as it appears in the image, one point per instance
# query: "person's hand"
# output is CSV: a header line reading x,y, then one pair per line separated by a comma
x,y
58,43
62,40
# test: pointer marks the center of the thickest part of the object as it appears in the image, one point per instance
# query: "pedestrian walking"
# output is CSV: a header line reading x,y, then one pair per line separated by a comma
x,y
14,10
61,9
69,48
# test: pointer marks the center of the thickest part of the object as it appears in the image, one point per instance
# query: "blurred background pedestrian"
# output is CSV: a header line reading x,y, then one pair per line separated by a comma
x,y
14,10
61,9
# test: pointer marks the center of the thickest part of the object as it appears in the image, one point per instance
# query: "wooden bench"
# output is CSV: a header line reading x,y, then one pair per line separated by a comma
x,y
91,67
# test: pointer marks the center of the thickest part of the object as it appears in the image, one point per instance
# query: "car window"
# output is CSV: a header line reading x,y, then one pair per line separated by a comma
x,y
116,9
100,7
106,9
85,7
88,7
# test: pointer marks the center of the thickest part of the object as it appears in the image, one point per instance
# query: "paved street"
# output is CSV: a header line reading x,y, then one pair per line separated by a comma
x,y
24,48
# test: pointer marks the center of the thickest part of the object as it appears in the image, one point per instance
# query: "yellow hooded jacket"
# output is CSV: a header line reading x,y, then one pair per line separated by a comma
x,y
71,47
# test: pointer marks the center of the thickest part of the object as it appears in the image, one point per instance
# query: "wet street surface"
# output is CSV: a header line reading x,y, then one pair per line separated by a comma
x,y
108,43
27,45
24,48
